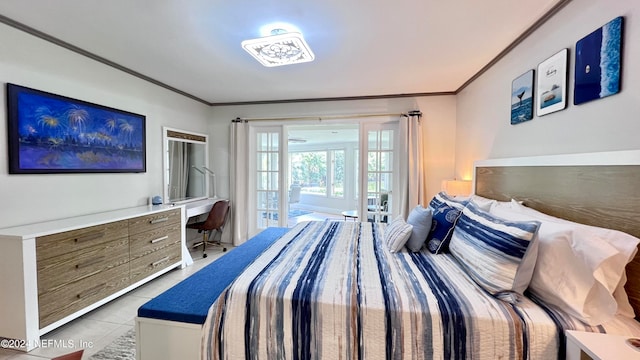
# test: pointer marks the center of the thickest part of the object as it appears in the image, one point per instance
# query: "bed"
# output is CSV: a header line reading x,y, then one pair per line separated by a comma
x,y
344,294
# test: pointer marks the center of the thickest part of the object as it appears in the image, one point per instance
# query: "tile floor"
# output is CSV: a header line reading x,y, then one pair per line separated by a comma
x,y
105,324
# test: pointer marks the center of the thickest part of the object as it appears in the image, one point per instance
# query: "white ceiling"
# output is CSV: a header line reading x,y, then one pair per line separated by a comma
x,y
362,48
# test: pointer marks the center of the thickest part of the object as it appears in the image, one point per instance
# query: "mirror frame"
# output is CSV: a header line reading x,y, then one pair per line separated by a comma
x,y
188,137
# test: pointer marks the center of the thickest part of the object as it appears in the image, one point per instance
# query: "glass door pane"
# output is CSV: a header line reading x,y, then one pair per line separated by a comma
x,y
267,185
380,166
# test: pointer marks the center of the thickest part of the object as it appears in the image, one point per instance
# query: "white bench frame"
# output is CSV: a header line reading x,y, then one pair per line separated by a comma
x,y
164,339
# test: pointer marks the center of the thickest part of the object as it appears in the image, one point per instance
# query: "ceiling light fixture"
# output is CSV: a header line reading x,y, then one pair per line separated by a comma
x,y
280,48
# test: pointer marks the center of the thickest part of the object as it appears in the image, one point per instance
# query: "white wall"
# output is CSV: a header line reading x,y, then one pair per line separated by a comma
x,y
32,62
483,108
439,116
29,61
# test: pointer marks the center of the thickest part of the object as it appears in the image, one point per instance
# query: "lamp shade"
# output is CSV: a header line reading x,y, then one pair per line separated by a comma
x,y
457,187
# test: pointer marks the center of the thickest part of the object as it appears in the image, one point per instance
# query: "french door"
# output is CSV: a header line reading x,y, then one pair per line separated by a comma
x,y
376,165
266,166
379,171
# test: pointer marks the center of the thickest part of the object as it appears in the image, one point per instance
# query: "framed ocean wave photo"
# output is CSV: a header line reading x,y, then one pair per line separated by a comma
x,y
522,98
49,133
598,63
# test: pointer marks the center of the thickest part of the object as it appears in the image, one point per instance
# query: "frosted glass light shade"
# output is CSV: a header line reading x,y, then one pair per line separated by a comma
x,y
278,50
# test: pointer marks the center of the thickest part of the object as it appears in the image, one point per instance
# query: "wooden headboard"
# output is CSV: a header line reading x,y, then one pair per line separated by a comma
x,y
600,189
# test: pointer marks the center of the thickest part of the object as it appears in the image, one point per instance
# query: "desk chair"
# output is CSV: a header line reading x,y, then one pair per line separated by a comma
x,y
215,221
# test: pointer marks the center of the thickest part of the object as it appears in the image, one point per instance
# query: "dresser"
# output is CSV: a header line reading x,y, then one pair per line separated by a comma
x,y
56,271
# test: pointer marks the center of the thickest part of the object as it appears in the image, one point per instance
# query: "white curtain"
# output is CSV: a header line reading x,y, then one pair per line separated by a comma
x,y
239,187
411,164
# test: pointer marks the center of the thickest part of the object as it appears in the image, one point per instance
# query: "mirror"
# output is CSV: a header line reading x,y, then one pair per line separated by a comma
x,y
186,176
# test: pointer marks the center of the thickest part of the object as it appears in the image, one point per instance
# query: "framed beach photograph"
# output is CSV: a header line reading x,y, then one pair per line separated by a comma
x,y
551,84
50,133
522,98
598,63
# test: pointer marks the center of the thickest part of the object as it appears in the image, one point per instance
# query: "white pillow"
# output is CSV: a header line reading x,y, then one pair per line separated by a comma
x,y
482,202
622,299
397,233
579,267
486,203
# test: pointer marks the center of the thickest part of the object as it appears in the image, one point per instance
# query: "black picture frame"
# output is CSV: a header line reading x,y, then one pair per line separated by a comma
x,y
551,83
522,98
49,134
598,65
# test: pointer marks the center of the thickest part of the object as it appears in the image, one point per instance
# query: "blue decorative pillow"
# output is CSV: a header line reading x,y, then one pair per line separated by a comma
x,y
420,218
495,252
445,211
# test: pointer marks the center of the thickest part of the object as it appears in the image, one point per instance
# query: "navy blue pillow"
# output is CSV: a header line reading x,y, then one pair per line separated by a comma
x,y
446,211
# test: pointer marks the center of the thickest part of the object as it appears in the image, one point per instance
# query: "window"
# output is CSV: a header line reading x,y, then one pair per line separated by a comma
x,y
337,173
309,170
312,169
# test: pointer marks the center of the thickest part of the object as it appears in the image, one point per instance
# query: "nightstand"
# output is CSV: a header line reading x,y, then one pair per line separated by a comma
x,y
587,345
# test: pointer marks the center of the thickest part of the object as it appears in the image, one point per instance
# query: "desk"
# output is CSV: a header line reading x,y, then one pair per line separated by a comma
x,y
199,207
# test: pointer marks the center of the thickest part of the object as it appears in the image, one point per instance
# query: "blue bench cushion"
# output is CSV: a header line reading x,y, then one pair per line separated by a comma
x,y
189,300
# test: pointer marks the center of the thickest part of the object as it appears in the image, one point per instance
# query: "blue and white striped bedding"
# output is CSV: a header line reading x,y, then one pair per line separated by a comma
x,y
332,290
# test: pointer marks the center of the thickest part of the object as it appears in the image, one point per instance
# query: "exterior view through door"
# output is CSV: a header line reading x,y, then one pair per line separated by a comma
x,y
303,168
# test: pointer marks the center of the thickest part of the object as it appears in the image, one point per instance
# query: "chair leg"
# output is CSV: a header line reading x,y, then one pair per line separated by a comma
x,y
205,238
224,248
212,237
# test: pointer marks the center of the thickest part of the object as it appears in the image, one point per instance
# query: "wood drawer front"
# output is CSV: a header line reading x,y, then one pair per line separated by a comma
x,y
154,221
66,300
154,262
65,242
145,243
60,270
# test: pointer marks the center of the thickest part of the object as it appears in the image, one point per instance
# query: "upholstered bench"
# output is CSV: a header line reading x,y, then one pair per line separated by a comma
x,y
168,326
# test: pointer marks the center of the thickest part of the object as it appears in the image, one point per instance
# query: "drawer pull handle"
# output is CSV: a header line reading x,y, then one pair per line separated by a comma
x,y
90,262
91,291
159,239
155,221
164,259
89,237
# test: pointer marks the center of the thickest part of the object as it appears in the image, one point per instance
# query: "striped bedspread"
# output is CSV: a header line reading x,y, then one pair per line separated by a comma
x,y
332,290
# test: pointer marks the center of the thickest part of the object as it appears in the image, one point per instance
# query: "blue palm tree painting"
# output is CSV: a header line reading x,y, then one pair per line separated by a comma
x,y
50,133
598,62
522,98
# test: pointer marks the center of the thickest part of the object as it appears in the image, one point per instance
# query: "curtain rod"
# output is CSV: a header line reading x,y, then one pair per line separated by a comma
x,y
328,117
